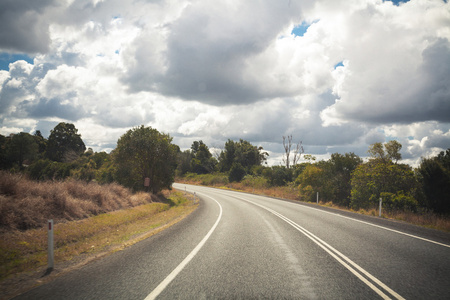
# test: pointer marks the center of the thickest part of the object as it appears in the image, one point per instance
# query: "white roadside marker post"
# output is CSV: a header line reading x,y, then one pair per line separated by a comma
x,y
381,201
317,198
50,256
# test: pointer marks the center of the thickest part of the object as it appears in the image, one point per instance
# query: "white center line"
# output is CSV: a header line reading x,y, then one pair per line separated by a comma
x,y
368,223
341,258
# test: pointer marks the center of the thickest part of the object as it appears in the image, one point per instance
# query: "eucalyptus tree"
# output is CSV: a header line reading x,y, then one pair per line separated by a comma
x,y
144,152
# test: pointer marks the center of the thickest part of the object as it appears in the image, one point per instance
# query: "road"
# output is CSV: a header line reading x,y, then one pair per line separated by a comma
x,y
242,246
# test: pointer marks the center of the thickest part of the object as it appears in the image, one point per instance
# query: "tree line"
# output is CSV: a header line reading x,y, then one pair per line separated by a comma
x,y
144,152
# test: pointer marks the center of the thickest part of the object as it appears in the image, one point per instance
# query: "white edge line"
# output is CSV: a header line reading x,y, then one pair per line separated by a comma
x,y
379,226
367,223
155,293
325,246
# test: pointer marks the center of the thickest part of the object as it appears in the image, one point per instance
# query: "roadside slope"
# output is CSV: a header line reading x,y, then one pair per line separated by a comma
x,y
24,253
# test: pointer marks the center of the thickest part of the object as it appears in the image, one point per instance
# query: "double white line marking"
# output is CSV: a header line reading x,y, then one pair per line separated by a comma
x,y
371,281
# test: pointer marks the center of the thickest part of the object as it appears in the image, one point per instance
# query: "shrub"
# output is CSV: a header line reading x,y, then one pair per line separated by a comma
x,y
237,172
255,182
278,175
399,201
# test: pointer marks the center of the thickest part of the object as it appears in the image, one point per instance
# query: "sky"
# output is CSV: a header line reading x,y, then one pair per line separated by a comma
x,y
338,75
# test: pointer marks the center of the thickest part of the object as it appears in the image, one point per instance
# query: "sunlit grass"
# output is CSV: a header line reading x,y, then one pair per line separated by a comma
x,y
27,250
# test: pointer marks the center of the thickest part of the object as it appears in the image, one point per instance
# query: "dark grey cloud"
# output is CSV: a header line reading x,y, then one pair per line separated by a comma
x,y
427,98
55,107
45,127
436,92
438,141
398,96
207,52
24,26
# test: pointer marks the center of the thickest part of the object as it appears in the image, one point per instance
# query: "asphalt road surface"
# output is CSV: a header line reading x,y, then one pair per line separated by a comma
x,y
242,246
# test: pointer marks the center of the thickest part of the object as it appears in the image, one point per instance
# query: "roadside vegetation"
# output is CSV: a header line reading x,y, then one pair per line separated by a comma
x,y
76,237
420,196
58,178
27,204
99,202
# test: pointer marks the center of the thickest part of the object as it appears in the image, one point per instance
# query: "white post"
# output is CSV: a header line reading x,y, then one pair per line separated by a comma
x,y
381,201
317,198
50,245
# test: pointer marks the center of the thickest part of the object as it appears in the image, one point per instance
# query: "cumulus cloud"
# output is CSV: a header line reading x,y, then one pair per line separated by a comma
x,y
24,26
394,71
360,71
206,51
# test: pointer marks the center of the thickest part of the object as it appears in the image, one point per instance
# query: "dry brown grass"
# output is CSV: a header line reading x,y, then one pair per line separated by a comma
x,y
428,219
24,251
26,204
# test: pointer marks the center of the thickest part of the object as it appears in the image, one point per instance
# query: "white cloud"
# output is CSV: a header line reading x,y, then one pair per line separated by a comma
x,y
363,72
391,75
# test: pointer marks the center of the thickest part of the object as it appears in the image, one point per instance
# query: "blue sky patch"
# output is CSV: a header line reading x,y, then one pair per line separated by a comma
x,y
339,64
6,59
396,2
300,30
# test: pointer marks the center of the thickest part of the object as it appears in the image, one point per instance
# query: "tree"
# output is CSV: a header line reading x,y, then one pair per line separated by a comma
x,y
277,175
390,151
145,152
310,181
376,179
242,152
383,176
393,150
337,175
184,162
22,147
434,176
237,172
5,160
41,142
287,145
64,143
202,161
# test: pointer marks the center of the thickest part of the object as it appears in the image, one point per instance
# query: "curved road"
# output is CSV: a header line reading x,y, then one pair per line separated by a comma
x,y
241,246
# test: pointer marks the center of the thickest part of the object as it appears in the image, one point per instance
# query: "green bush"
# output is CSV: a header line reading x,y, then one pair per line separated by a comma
x,y
45,169
237,172
399,201
277,175
257,182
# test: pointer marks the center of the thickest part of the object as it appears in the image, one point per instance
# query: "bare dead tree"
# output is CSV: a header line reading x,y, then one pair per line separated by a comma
x,y
287,149
287,145
298,152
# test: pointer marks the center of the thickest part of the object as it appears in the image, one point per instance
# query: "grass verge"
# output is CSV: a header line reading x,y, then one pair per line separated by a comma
x,y
23,254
